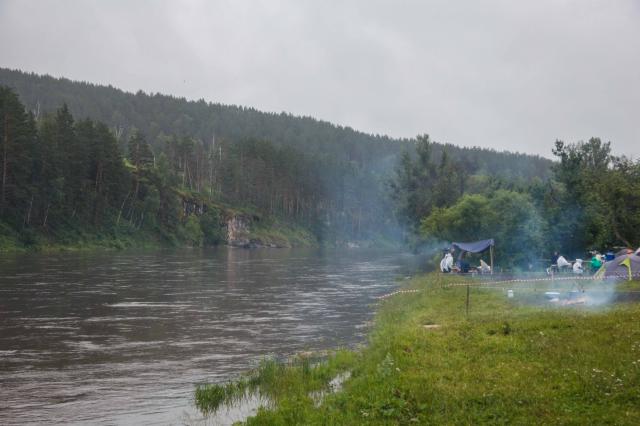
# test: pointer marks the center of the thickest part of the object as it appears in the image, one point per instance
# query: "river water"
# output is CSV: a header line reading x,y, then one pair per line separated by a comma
x,y
124,337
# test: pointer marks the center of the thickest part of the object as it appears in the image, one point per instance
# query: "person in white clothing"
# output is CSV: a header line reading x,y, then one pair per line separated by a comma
x,y
563,263
446,264
577,267
484,268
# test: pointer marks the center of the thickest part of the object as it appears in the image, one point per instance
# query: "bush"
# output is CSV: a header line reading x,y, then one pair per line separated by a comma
x,y
193,232
211,226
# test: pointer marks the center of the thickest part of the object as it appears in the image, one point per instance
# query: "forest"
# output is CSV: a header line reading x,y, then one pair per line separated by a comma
x,y
83,163
590,202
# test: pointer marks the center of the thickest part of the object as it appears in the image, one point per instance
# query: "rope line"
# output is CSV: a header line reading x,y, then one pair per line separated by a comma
x,y
488,284
545,279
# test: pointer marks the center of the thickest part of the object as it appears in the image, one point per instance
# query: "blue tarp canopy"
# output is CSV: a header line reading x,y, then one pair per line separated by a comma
x,y
475,246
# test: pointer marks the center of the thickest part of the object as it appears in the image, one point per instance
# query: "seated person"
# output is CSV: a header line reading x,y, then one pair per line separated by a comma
x,y
554,263
577,267
484,268
596,262
463,264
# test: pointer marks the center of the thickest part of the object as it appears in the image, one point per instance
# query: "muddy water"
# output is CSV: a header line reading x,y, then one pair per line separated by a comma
x,y
122,338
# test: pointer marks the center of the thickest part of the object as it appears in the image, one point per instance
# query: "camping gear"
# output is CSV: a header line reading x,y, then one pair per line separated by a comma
x,y
624,251
478,247
552,296
626,266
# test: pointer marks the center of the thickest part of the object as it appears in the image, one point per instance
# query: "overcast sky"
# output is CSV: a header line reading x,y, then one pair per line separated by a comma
x,y
502,74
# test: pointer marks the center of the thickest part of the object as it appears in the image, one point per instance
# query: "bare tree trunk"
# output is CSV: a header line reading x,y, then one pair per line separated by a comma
x,y
98,176
619,236
197,174
46,215
184,170
4,160
188,173
28,218
122,207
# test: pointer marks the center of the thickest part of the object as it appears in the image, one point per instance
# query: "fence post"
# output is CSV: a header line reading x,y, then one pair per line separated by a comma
x,y
491,260
467,299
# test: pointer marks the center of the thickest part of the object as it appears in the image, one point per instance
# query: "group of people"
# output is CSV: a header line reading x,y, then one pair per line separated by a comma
x,y
447,264
559,263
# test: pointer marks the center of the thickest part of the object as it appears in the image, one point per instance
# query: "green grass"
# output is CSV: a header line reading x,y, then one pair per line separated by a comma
x,y
507,363
76,239
276,381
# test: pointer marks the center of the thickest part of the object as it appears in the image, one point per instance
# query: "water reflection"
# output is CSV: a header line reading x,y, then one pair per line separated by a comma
x,y
123,337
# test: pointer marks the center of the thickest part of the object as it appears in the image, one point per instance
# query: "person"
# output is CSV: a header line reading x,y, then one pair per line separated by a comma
x,y
446,264
563,263
554,263
484,268
596,261
463,264
577,267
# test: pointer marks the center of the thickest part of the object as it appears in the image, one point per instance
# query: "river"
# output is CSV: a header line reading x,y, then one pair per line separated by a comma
x,y
124,337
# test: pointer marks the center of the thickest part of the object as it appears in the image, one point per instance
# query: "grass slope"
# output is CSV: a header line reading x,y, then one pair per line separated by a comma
x,y
507,363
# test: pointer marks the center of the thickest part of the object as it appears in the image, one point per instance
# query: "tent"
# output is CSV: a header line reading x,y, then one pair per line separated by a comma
x,y
625,266
478,247
624,251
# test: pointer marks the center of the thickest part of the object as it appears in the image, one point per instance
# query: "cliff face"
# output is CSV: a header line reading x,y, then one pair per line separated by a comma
x,y
237,231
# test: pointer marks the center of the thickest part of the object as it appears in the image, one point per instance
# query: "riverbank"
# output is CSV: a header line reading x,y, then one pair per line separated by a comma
x,y
428,363
273,234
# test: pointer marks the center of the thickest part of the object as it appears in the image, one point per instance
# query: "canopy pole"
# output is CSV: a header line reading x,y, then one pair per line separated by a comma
x,y
491,254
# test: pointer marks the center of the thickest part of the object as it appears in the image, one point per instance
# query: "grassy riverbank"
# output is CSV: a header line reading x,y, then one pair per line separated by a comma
x,y
505,363
75,240
274,234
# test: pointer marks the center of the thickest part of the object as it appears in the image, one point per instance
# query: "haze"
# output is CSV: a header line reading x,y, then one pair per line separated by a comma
x,y
498,74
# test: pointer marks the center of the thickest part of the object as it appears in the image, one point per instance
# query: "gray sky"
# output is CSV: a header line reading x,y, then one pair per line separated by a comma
x,y
502,74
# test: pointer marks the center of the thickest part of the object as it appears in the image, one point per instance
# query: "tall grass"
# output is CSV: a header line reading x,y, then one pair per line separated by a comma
x,y
274,381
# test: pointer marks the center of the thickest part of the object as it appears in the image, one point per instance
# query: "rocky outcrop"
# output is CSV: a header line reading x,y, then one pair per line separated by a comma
x,y
237,231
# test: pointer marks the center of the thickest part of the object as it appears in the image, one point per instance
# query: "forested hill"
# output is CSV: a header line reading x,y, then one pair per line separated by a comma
x,y
158,116
81,161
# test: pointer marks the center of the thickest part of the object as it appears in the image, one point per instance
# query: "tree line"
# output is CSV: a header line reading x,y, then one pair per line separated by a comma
x,y
159,116
64,178
591,202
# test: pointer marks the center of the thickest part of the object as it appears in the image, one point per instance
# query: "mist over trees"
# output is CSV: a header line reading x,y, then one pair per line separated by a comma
x,y
159,116
84,160
591,202
62,178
